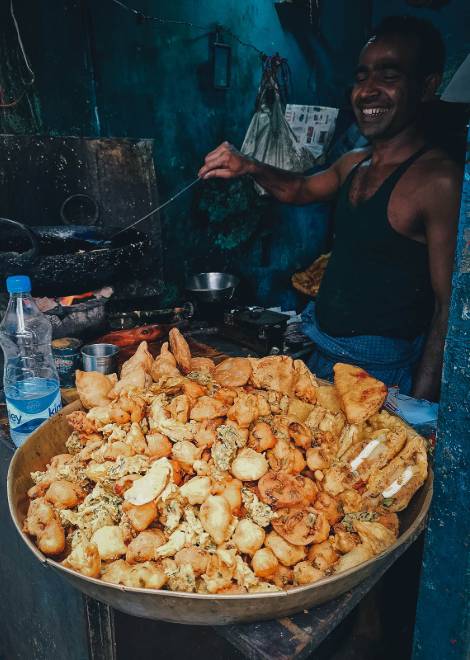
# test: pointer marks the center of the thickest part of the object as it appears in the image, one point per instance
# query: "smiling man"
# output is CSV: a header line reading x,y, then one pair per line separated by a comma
x,y
383,302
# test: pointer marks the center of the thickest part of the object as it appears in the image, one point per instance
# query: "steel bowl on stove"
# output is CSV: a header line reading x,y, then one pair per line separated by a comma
x,y
212,287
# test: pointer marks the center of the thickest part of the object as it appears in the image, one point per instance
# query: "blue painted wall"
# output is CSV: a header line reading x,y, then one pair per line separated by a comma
x,y
101,73
442,622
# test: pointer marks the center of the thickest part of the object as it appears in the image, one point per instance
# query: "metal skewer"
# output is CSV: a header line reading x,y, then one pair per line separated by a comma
x,y
159,208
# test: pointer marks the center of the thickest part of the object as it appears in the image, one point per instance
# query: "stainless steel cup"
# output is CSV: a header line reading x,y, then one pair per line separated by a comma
x,y
100,357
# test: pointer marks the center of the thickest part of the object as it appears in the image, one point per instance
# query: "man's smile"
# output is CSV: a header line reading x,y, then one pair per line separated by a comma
x,y
373,113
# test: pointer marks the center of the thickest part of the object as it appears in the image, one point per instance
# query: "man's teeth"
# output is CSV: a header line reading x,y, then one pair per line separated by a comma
x,y
374,112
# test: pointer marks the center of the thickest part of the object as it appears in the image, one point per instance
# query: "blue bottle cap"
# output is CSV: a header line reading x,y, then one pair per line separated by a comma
x,y
18,284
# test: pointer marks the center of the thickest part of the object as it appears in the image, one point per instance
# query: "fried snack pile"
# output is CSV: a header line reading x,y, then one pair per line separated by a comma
x,y
309,280
243,477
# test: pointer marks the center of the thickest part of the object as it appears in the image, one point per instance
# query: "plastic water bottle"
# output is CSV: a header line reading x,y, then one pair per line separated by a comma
x,y
30,377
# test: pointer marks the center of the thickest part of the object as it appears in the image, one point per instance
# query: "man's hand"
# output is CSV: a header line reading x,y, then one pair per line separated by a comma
x,y
226,162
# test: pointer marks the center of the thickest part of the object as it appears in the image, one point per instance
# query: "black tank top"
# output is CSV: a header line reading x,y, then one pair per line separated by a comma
x,y
377,281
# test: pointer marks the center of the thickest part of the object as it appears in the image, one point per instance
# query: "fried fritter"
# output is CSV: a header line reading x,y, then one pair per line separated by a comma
x,y
361,395
180,349
93,388
242,478
233,372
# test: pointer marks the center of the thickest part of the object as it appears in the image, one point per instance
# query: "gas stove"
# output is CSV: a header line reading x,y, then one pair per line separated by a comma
x,y
259,329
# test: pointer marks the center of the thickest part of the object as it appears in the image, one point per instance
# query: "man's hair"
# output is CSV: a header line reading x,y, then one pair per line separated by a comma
x,y
431,50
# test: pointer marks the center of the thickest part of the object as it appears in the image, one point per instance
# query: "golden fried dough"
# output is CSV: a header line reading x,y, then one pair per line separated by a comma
x,y
264,563
204,364
261,437
164,365
140,516
43,523
239,479
248,536
249,465
282,490
85,559
306,386
216,515
207,407
64,494
360,394
287,553
301,526
327,397
322,555
93,388
305,573
135,372
233,372
274,372
180,349
143,546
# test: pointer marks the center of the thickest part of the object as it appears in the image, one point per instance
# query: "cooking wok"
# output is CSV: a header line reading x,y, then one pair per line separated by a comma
x,y
178,607
63,260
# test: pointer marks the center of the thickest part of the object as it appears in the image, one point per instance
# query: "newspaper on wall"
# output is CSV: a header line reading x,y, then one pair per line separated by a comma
x,y
312,125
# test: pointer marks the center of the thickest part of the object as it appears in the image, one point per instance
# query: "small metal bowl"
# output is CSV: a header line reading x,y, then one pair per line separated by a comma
x,y
212,287
100,357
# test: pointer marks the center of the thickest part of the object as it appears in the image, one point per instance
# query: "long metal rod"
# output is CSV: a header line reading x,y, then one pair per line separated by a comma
x,y
159,208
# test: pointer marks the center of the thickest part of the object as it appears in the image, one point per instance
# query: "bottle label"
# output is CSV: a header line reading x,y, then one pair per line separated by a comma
x,y
25,415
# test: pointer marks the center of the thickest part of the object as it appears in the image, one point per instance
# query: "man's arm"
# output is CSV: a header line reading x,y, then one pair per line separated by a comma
x,y
226,162
441,230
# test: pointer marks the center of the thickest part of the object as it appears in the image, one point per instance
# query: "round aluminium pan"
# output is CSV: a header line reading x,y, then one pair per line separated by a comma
x,y
178,607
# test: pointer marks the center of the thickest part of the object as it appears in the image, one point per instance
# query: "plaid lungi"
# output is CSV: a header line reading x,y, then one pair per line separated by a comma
x,y
392,361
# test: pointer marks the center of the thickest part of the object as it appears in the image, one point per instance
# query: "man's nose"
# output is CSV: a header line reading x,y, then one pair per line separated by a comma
x,y
368,89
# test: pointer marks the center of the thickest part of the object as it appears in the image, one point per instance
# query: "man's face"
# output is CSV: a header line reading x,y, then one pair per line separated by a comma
x,y
387,91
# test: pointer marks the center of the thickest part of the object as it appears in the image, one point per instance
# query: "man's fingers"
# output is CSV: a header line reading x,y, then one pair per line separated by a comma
x,y
222,148
220,174
218,162
219,155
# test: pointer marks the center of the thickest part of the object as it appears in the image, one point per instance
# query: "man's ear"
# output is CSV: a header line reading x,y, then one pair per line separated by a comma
x,y
430,86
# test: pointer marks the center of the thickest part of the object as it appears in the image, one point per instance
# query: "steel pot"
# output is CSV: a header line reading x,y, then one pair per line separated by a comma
x,y
69,259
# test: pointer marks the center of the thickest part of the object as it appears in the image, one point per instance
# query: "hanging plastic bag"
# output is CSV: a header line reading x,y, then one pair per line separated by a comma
x,y
269,137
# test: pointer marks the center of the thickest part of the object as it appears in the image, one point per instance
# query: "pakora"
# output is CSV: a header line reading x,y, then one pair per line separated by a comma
x,y
244,477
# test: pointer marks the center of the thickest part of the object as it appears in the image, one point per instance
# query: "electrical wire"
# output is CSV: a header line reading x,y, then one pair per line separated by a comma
x,y
141,16
28,83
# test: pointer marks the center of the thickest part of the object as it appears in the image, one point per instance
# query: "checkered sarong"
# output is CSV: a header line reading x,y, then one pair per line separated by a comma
x,y
390,360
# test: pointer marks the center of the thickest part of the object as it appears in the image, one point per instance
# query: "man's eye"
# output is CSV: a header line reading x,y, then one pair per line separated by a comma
x,y
361,76
390,74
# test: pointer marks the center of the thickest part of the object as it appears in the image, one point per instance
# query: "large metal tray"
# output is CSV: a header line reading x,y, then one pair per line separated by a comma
x,y
198,609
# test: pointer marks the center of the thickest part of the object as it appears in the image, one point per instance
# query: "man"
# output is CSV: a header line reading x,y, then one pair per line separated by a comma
x,y
383,302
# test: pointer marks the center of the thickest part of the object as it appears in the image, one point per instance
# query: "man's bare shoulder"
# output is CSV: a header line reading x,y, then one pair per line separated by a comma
x,y
438,167
348,160
434,185
437,174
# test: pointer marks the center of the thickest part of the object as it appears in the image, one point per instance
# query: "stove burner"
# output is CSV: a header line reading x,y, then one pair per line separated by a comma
x,y
257,328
